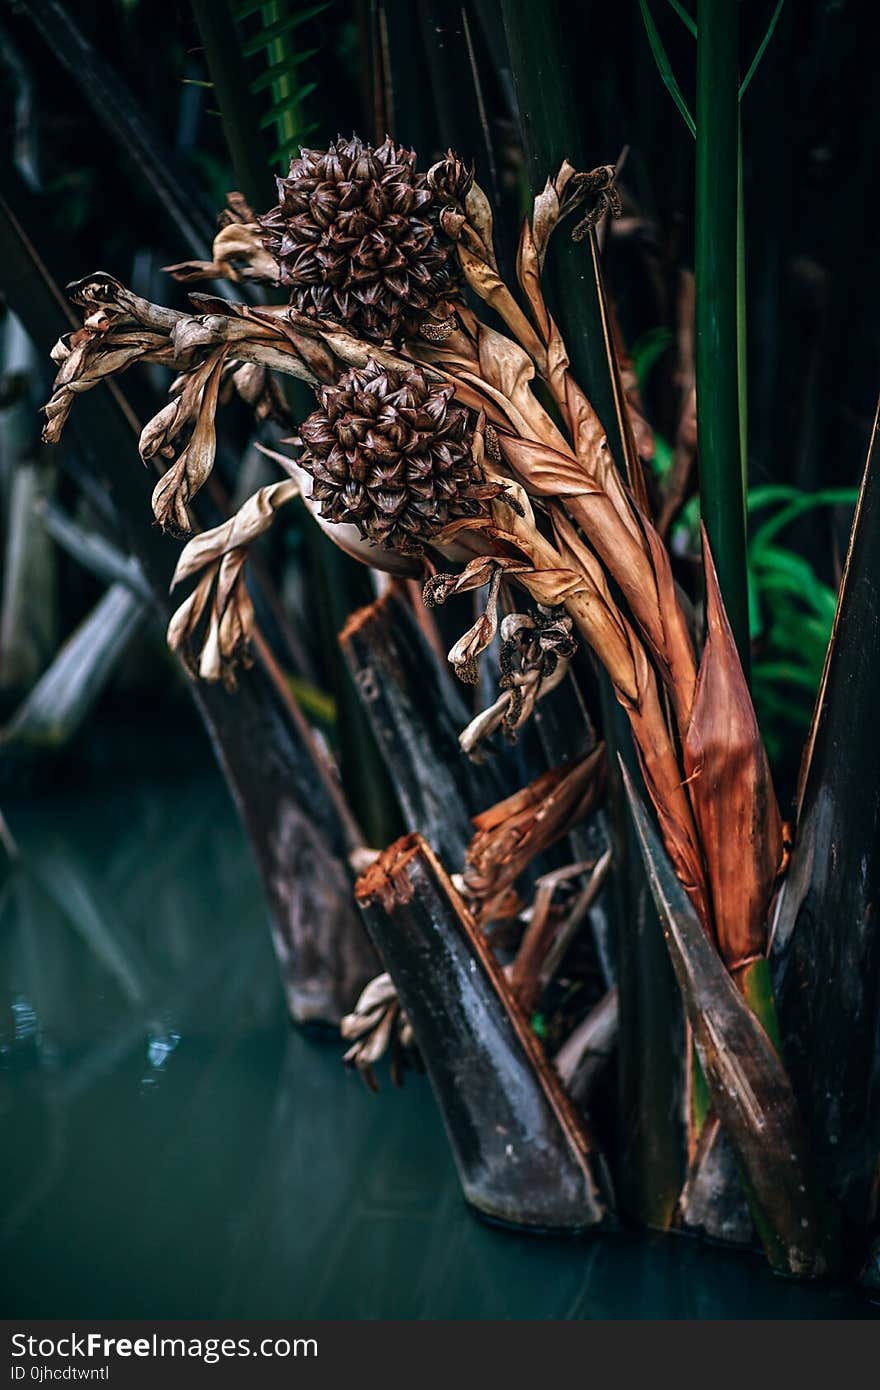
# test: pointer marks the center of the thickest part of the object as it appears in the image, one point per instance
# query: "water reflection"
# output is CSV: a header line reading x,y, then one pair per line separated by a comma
x,y
171,1148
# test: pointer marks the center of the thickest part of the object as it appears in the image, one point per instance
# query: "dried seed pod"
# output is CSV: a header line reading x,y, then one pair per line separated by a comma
x,y
394,455
450,179
356,237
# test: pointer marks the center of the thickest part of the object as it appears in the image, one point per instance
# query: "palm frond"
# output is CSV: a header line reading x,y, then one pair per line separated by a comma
x,y
273,47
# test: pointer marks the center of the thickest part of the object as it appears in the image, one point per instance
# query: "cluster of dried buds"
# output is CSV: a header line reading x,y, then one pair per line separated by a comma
x,y
377,1027
430,436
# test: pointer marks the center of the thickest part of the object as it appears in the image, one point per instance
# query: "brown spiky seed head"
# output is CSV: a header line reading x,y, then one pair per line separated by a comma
x,y
394,455
355,234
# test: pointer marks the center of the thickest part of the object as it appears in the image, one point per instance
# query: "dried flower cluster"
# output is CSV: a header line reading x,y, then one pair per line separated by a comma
x,y
446,446
355,235
393,454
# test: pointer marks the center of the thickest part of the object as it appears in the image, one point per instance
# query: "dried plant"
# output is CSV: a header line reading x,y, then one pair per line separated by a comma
x,y
440,440
392,454
355,235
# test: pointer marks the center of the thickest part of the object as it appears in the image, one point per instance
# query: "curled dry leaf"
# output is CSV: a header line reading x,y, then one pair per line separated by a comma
x,y
477,573
238,253
220,556
536,652
510,834
464,653
258,388
177,487
486,282
158,434
548,209
377,1025
103,291
98,350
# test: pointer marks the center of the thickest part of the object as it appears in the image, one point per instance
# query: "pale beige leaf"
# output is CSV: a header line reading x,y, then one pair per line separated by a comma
x,y
252,519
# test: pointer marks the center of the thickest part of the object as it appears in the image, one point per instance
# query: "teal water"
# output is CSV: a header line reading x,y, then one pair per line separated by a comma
x,y
170,1148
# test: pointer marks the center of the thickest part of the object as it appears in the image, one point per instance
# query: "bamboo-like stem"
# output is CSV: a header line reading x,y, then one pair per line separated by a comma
x,y
416,712
721,484
742,364
523,1153
248,148
827,928
544,78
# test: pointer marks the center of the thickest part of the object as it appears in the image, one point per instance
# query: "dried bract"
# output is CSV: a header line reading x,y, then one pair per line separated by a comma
x,y
536,651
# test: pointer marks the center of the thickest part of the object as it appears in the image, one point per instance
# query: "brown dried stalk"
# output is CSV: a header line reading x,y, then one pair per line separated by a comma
x,y
577,472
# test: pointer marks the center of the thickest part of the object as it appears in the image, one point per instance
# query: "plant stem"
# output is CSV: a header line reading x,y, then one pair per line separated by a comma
x,y
550,123
722,499
248,148
742,372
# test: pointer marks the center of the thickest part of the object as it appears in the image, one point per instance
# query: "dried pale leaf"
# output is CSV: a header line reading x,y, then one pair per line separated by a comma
x,y
230,626
479,214
677,660
528,273
186,618
238,254
377,994
357,1025
252,519
554,587
476,573
100,290
484,724
485,281
464,653
548,208
505,366
179,485
545,471
158,433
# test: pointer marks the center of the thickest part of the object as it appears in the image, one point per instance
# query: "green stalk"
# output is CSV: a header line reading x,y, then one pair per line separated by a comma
x,y
549,116
742,375
722,499
248,147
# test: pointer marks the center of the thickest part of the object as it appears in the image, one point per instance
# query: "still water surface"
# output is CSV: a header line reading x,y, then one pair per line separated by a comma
x,y
170,1148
